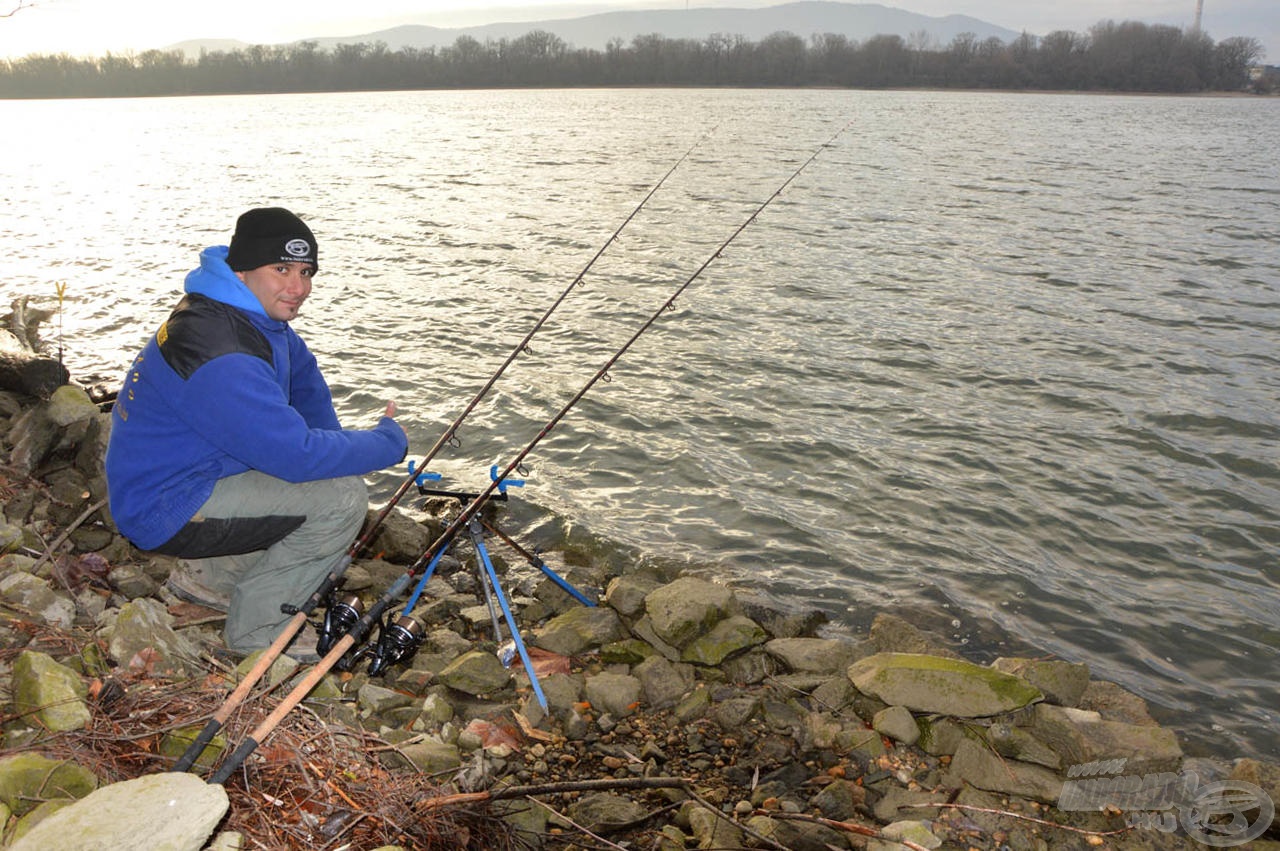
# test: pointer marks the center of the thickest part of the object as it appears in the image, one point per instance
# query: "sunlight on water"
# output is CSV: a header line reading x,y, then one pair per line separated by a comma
x,y
1001,361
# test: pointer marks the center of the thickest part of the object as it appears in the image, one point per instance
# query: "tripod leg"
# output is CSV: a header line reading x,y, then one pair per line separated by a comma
x,y
506,613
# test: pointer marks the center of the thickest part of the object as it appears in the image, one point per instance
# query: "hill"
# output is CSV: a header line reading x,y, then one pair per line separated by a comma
x,y
856,21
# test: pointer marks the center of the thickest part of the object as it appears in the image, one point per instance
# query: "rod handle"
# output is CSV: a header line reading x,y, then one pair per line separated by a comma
x,y
233,762
197,747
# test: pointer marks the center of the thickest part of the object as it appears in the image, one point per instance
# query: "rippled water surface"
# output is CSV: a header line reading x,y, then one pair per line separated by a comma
x,y
1006,364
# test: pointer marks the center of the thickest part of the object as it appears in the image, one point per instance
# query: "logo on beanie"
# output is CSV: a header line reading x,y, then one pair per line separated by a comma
x,y
297,247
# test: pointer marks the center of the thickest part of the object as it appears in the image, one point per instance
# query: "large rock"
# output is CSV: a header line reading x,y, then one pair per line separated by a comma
x,y
579,629
143,637
1144,749
606,813
813,655
616,694
27,778
1063,683
975,764
160,812
728,637
663,682
476,672
401,539
939,685
52,693
36,596
687,608
70,404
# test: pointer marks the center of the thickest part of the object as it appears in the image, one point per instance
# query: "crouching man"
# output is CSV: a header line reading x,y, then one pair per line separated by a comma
x,y
225,449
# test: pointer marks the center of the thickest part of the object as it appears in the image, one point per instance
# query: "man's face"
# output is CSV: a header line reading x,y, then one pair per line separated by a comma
x,y
281,287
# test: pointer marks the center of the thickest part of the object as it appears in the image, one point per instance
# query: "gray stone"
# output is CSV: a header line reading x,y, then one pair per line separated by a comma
x,y
401,539
26,778
897,723
712,831
734,713
70,404
606,813
977,765
940,685
840,800
579,629
375,700
1021,744
1113,703
160,812
749,668
1264,775
939,735
686,608
663,682
431,756
628,651
643,628
1145,749
891,634
1058,727
814,655
36,596
616,694
726,638
53,693
132,582
1063,683
795,835
475,672
915,832
143,637
626,593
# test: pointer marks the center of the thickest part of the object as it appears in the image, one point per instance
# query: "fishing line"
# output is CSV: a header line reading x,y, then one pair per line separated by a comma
x,y
433,553
449,437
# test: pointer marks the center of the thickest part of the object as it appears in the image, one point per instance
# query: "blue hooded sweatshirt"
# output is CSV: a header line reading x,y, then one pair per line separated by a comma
x,y
221,388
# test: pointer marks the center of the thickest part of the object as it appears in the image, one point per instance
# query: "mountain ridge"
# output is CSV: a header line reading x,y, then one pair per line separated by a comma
x,y
856,21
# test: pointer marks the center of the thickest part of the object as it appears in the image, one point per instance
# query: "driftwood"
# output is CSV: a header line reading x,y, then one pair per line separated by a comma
x,y
24,367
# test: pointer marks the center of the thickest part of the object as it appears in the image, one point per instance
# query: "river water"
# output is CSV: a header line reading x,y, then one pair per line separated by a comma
x,y
1005,364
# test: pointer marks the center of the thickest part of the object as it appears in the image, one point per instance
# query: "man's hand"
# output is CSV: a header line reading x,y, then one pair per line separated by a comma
x,y
391,409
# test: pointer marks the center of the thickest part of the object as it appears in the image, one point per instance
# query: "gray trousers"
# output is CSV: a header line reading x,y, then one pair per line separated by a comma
x,y
291,568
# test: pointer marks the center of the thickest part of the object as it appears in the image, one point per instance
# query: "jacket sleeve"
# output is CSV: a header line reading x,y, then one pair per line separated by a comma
x,y
234,402
309,393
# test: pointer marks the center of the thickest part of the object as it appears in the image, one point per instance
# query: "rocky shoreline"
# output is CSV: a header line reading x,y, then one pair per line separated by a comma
x,y
702,718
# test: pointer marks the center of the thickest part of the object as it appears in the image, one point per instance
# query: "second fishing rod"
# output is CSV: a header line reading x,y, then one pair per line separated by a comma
x,y
427,561
324,592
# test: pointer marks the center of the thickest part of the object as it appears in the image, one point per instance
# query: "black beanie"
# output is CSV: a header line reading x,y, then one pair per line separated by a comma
x,y
267,235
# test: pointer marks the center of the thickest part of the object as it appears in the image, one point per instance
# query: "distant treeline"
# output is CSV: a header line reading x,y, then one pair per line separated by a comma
x,y
1130,57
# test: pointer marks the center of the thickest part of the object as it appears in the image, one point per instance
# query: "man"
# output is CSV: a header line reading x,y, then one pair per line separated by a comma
x,y
225,449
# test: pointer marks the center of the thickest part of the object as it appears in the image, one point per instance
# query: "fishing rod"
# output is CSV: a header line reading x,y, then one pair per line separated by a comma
x,y
432,555
325,591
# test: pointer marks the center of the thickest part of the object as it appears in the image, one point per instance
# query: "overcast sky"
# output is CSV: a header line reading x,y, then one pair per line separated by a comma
x,y
92,27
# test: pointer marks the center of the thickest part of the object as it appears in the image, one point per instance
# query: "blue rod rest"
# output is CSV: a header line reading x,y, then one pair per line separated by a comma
x,y
512,627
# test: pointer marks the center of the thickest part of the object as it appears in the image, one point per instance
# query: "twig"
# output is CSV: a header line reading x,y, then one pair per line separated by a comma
x,y
75,524
847,826
739,825
333,786
553,789
1044,822
573,823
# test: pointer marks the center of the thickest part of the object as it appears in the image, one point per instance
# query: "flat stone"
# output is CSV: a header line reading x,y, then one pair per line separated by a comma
x,y
940,685
160,812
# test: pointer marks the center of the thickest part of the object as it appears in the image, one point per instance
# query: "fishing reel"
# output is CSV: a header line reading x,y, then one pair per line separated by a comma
x,y
339,618
397,642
